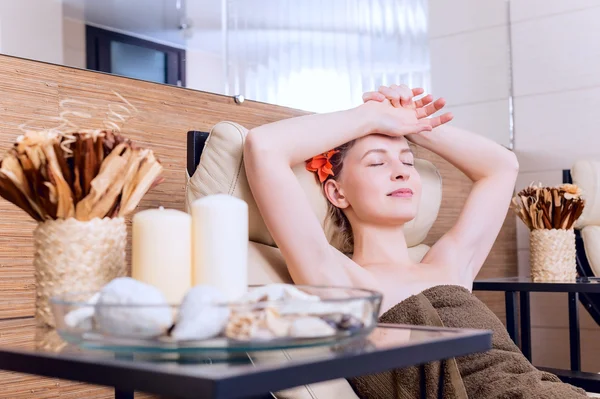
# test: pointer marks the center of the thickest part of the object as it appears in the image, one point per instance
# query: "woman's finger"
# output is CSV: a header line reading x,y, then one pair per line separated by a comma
x,y
421,102
440,120
391,95
430,108
406,96
373,96
418,91
420,127
399,94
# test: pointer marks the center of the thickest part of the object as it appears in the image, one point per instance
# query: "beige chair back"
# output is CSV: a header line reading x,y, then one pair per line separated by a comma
x,y
586,174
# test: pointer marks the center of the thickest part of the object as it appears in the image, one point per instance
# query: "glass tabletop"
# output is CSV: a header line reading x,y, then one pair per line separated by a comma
x,y
528,279
526,283
24,335
30,349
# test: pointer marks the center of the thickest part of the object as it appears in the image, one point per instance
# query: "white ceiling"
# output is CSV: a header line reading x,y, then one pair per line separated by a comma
x,y
271,21
155,19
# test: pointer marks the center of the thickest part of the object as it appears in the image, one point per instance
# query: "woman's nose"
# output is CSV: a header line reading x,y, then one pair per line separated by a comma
x,y
401,172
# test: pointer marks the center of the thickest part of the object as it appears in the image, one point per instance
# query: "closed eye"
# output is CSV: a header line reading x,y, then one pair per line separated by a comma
x,y
408,163
376,164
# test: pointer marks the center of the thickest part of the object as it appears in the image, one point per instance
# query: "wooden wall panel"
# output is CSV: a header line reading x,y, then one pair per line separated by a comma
x,y
550,348
32,93
550,332
502,260
165,115
22,334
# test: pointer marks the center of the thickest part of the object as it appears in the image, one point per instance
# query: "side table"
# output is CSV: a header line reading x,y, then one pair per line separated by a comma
x,y
524,285
252,375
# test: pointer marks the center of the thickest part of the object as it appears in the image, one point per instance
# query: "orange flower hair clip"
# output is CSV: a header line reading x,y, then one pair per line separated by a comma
x,y
321,164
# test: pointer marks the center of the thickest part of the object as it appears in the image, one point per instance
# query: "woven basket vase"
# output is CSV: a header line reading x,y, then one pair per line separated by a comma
x,y
75,256
552,255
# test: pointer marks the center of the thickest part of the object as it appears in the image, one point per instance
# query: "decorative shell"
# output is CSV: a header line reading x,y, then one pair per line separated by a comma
x,y
248,326
295,314
151,318
276,292
269,324
261,324
199,317
344,322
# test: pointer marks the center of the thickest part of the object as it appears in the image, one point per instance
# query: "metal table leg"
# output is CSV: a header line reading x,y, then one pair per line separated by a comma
x,y
123,394
422,386
575,347
119,394
525,324
511,315
441,380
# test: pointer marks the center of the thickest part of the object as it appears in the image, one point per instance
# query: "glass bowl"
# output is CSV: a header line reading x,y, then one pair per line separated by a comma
x,y
320,316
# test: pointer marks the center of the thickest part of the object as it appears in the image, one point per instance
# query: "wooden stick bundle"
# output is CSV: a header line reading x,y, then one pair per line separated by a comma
x,y
84,175
549,207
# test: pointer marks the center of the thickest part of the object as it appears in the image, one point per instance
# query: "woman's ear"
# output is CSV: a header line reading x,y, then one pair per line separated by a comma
x,y
335,194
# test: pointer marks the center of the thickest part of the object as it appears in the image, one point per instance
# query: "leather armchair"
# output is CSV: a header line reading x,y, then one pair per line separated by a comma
x,y
221,170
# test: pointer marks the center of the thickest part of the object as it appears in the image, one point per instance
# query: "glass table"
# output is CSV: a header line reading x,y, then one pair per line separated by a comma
x,y
32,350
524,285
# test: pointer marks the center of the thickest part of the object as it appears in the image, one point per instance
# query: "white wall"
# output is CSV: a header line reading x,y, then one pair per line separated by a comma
x,y
556,87
470,63
74,34
556,69
32,29
204,71
204,68
205,53
74,43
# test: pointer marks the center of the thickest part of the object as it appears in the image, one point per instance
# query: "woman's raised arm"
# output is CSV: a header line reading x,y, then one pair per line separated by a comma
x,y
491,167
269,154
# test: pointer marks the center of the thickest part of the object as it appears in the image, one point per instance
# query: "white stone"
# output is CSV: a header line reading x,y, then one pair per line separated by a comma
x,y
276,292
359,308
130,308
202,314
311,327
82,318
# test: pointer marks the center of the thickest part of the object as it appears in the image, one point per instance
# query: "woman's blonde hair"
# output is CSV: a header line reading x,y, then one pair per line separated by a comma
x,y
339,228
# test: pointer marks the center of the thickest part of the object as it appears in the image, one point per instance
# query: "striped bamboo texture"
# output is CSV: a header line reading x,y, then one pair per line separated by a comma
x,y
31,92
22,334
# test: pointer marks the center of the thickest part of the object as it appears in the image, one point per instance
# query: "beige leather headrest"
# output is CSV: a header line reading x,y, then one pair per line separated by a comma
x,y
586,175
221,170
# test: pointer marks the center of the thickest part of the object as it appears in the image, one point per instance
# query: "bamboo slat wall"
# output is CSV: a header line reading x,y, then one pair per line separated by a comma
x,y
32,92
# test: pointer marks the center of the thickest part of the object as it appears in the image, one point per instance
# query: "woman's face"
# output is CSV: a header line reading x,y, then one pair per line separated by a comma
x,y
378,183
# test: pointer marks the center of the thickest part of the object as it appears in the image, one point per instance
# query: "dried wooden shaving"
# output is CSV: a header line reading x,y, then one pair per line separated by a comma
x,y
549,207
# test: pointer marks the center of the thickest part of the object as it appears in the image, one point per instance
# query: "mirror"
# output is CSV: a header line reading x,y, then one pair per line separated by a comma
x,y
316,55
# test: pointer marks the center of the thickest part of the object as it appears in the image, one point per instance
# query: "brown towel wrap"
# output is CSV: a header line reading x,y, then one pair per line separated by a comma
x,y
503,372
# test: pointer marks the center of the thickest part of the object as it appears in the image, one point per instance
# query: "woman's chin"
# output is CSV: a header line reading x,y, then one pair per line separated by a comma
x,y
397,219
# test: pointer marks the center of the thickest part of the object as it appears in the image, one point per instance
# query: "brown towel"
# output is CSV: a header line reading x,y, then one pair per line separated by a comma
x,y
502,372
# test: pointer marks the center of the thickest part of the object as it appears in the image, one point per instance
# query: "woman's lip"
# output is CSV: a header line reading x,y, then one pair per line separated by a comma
x,y
402,193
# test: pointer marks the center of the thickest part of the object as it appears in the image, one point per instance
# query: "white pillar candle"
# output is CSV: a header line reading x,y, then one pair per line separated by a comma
x,y
220,244
161,251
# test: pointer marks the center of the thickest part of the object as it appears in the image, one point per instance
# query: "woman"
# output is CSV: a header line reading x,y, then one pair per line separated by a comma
x,y
373,189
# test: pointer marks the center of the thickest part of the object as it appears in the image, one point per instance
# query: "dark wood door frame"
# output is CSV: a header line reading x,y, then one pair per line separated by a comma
x,y
98,56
